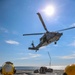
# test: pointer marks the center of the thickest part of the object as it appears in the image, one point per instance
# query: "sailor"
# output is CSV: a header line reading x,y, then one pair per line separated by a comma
x,y
8,69
69,70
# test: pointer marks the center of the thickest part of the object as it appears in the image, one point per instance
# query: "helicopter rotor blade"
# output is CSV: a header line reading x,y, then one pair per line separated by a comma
x,y
40,17
66,29
33,34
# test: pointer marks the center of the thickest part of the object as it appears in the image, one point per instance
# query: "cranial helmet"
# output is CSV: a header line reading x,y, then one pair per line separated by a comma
x,y
69,70
8,69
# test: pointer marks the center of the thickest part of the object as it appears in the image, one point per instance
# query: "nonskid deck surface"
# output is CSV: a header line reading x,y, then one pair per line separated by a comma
x,y
23,72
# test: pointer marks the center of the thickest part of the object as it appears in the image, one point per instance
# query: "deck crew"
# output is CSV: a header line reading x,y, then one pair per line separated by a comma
x,y
8,68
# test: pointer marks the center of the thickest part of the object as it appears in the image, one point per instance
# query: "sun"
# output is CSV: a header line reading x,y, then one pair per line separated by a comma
x,y
49,10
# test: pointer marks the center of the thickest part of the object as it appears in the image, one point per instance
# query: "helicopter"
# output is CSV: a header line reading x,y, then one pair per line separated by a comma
x,y
48,37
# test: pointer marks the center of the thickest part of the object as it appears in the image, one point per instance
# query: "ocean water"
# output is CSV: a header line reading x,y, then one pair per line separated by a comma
x,y
25,68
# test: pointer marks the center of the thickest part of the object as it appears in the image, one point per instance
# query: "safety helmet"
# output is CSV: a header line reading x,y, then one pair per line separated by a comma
x,y
8,68
69,70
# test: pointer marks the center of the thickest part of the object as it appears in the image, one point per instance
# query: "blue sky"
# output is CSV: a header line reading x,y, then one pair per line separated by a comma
x,y
19,16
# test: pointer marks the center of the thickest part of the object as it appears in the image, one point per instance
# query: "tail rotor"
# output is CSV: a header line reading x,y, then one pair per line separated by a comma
x,y
32,44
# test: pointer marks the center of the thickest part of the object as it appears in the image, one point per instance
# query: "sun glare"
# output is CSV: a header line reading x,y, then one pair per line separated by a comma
x,y
49,10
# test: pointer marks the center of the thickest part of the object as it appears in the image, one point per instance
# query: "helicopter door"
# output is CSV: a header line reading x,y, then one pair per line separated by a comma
x,y
49,36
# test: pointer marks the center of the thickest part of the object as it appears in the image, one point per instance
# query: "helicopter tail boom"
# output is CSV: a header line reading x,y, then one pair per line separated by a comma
x,y
33,48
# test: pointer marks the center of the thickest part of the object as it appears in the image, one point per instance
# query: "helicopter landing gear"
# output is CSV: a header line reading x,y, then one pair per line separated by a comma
x,y
55,42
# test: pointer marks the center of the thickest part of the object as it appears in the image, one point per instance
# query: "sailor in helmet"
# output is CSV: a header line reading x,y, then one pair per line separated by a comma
x,y
8,69
69,70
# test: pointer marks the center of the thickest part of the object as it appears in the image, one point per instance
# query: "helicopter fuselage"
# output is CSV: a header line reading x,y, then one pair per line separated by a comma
x,y
46,39
50,37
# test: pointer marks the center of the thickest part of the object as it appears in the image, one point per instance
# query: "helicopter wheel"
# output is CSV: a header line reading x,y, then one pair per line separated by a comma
x,y
55,42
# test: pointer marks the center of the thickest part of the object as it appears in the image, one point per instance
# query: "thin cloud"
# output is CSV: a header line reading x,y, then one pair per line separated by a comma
x,y
34,55
73,24
29,56
15,32
24,58
72,44
67,57
12,42
3,30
